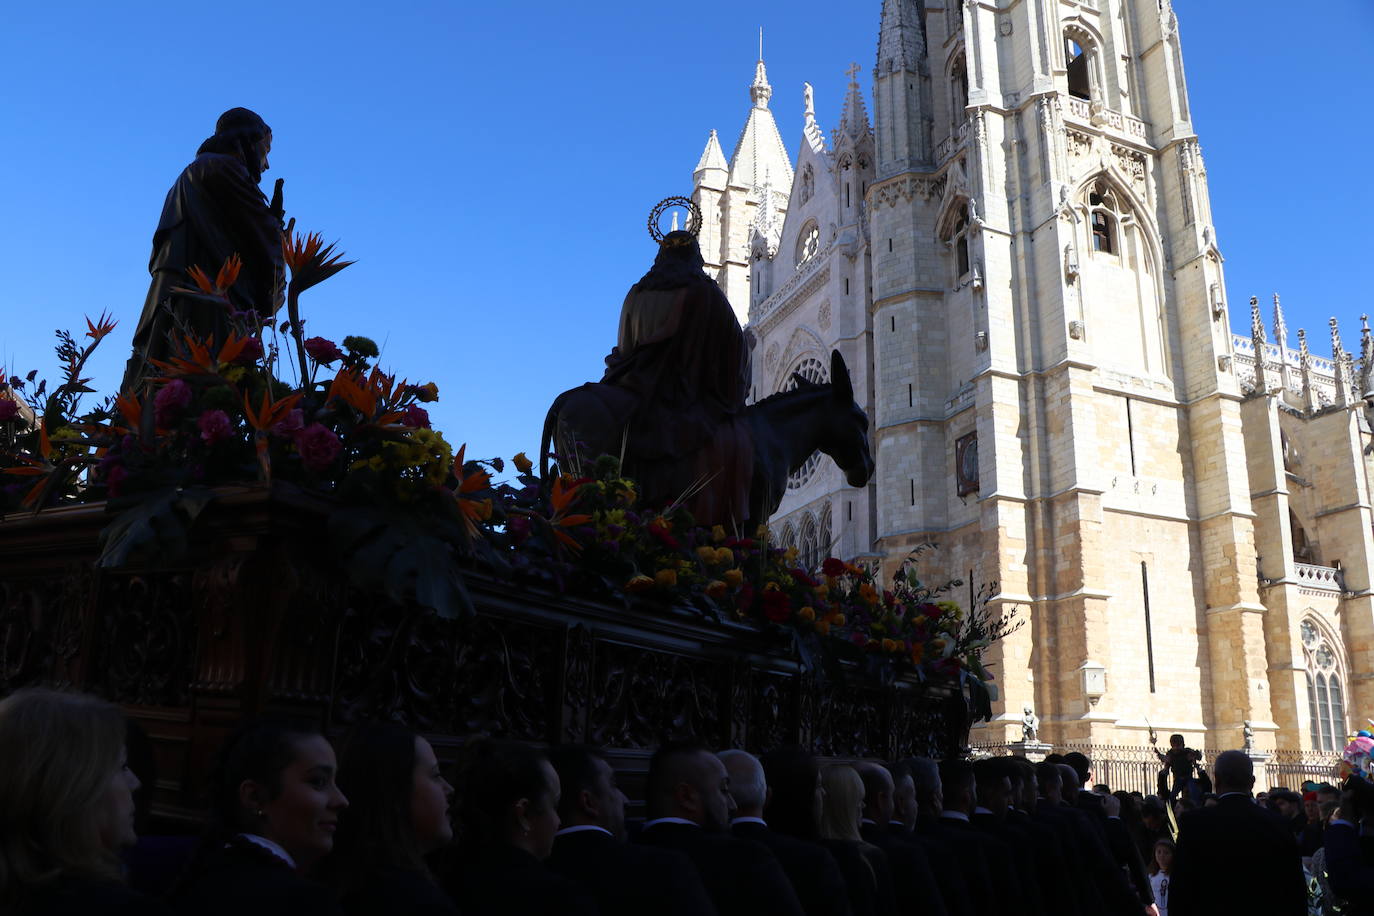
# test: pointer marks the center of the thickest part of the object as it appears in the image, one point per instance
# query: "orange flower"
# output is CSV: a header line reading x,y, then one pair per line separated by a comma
x,y
102,326
665,578
733,577
891,645
522,463
918,652
229,272
868,593
428,392
717,589
311,261
807,613
707,554
838,620
639,584
823,627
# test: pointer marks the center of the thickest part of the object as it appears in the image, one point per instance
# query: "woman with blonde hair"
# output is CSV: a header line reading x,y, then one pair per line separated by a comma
x,y
66,806
864,866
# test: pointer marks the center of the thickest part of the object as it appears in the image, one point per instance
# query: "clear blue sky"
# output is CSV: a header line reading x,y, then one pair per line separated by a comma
x,y
491,165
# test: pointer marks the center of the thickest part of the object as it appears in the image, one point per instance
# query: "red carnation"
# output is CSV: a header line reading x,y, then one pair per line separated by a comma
x,y
322,350
804,578
318,447
777,607
833,567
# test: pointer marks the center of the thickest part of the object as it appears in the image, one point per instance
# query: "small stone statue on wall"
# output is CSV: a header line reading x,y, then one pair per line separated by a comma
x,y
1249,735
1030,726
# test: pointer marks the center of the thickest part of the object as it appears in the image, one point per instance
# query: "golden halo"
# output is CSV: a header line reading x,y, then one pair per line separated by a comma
x,y
693,216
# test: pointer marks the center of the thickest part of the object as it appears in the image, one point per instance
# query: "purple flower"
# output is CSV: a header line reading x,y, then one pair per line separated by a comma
x,y
214,426
322,350
114,479
8,409
294,423
415,417
171,399
318,447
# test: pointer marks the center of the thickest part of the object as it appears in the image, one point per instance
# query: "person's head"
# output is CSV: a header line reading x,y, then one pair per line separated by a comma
x,y
1182,805
1163,860
1130,808
591,795
243,134
956,778
1068,781
844,802
688,781
929,792
1102,789
508,796
1025,787
904,806
994,784
1081,766
1328,793
1153,814
1049,781
795,793
880,804
65,789
274,778
398,802
1176,742
748,786
1210,800
1233,772
1311,807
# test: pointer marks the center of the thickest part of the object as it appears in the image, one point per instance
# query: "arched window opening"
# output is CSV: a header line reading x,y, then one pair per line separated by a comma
x,y
808,544
958,79
1078,61
961,261
823,533
808,244
789,536
1103,221
1325,695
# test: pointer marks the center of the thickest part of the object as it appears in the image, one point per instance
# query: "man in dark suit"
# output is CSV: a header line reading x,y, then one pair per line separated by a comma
x,y
1090,821
813,871
906,812
915,884
990,816
1232,857
590,850
986,862
1059,888
690,807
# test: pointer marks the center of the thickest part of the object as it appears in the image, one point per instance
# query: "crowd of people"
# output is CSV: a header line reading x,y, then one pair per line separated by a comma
x,y
293,828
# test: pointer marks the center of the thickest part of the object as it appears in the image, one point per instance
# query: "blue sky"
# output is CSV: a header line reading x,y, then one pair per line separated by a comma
x,y
491,165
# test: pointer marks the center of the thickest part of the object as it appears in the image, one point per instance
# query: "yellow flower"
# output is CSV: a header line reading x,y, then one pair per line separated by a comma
x,y
427,392
733,577
823,627
807,613
890,645
522,464
665,578
761,532
791,555
639,584
706,554
717,533
725,556
822,590
868,593
839,620
716,588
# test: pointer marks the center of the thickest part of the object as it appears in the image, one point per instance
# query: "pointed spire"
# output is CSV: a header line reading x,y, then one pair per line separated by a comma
x,y
901,37
1257,337
759,90
1366,360
854,119
1305,372
712,157
1341,362
1280,330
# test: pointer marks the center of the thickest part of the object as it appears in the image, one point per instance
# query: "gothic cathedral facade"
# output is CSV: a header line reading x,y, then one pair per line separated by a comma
x,y
1016,258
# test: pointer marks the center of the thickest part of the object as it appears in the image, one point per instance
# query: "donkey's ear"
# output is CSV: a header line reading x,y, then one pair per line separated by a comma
x,y
800,381
839,378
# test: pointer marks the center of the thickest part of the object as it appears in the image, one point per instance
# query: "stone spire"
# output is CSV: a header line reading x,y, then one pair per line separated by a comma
x,y
854,120
1281,338
1366,360
712,157
1309,391
811,131
901,37
1340,362
760,151
1257,337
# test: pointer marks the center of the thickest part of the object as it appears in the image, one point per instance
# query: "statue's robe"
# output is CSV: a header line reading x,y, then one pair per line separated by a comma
x,y
682,353
214,210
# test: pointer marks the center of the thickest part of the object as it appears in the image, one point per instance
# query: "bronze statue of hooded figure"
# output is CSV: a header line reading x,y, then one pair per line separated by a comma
x,y
683,354
214,210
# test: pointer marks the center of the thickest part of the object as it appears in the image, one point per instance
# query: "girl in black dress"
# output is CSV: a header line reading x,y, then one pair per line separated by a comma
x,y
274,812
66,806
397,814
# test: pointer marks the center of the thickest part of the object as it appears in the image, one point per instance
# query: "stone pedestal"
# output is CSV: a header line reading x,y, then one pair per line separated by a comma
x,y
1034,751
1260,760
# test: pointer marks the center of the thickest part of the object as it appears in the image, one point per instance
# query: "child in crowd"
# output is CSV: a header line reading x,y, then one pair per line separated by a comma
x,y
1160,865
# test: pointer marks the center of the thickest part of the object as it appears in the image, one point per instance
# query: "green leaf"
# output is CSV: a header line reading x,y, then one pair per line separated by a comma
x,y
390,553
157,525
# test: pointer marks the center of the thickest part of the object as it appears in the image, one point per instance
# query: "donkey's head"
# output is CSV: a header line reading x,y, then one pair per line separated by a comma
x,y
844,434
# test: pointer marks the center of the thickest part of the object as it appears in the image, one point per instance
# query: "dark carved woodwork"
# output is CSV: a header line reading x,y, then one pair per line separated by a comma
x,y
260,619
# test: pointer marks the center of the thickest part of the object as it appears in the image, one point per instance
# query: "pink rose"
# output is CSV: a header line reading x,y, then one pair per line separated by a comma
x,y
294,423
171,399
318,447
8,409
214,426
322,350
415,417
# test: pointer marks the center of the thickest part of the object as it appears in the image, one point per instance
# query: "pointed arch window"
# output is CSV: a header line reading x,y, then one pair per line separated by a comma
x,y
958,242
1103,218
808,544
958,81
1325,691
1078,63
823,534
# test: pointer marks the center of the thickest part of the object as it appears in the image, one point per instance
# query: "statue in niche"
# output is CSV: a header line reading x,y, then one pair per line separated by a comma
x,y
672,401
214,210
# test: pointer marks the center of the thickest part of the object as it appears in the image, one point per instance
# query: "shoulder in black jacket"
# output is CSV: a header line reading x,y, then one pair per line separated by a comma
x,y
813,871
1234,858
628,878
397,890
87,897
504,880
741,876
244,880
913,880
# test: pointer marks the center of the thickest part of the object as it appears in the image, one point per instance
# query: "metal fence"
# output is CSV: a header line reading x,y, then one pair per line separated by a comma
x,y
1135,768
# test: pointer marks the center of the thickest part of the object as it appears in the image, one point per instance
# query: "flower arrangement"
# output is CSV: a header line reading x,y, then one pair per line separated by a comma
x,y
411,510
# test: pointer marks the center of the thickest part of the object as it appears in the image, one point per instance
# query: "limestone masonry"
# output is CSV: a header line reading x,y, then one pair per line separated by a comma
x,y
1015,255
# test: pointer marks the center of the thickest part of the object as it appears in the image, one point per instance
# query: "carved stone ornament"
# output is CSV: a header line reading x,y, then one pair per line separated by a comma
x,y
1004,26
1223,364
823,316
907,189
1130,162
770,359
1076,330
1079,143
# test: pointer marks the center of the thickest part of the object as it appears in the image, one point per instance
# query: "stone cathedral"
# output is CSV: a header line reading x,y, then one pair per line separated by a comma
x,y
1014,251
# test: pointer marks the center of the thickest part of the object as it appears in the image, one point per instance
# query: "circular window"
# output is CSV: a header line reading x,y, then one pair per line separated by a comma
x,y
1326,659
813,370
